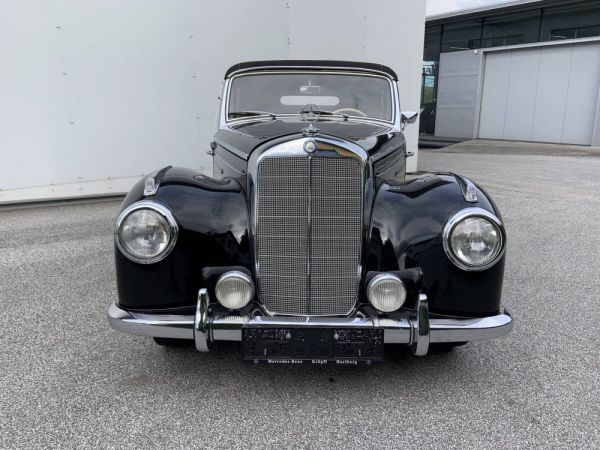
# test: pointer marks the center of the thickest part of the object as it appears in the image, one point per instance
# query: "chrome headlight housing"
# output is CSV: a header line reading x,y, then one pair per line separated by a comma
x,y
474,239
146,232
234,290
386,292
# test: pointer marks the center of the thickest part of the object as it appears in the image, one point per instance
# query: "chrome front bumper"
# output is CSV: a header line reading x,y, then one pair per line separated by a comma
x,y
417,330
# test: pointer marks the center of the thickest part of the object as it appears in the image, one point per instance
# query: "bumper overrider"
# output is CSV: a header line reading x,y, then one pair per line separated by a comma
x,y
417,328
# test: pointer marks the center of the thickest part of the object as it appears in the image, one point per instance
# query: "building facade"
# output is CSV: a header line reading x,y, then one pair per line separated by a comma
x,y
95,94
527,71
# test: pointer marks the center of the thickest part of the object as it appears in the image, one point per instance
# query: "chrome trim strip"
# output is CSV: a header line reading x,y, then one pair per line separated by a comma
x,y
309,228
203,328
154,206
455,219
228,328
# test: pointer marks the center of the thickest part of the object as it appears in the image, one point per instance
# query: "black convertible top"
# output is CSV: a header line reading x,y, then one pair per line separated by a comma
x,y
310,64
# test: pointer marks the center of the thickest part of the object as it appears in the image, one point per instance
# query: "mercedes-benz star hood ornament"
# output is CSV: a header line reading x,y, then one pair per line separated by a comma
x,y
311,114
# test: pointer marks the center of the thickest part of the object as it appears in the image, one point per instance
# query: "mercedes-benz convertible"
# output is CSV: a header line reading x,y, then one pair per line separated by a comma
x,y
310,243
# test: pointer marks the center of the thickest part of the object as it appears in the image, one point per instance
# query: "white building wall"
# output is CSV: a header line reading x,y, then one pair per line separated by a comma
x,y
547,93
458,87
95,94
540,92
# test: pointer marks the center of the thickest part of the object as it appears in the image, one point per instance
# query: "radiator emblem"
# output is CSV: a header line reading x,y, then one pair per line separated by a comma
x,y
310,146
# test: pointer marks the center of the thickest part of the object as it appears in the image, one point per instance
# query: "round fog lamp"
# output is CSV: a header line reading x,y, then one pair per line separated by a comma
x,y
234,290
386,292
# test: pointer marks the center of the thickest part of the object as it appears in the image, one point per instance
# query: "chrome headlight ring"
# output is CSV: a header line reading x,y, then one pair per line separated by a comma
x,y
152,206
237,281
459,217
378,300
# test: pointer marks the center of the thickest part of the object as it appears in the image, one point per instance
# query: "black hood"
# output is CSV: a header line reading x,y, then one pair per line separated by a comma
x,y
245,137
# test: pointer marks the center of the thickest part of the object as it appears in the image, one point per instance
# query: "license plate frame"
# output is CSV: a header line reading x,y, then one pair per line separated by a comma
x,y
315,345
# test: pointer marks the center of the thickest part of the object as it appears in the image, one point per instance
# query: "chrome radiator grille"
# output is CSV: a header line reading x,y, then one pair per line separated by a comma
x,y
309,225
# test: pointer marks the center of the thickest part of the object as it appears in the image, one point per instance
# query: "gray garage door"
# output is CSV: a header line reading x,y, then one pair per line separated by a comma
x,y
544,94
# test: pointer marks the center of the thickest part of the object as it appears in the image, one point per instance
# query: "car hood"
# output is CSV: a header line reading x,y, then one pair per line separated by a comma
x,y
244,137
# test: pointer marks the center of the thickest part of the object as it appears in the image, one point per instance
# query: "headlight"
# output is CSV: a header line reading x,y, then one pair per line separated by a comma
x,y
474,239
146,232
386,292
234,290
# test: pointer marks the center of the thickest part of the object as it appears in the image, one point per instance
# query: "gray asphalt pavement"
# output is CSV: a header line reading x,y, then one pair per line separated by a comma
x,y
67,380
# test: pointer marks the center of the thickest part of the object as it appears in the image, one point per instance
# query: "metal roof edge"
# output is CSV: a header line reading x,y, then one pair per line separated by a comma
x,y
496,7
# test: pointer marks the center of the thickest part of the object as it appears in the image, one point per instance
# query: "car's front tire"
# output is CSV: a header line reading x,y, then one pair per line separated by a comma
x,y
444,347
169,342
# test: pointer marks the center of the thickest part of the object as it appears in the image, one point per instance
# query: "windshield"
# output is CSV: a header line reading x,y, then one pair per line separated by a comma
x,y
287,93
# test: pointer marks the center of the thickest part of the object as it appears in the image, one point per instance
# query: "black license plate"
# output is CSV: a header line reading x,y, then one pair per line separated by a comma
x,y
312,345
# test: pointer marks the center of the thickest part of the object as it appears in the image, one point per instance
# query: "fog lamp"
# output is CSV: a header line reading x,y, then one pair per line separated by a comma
x,y
234,290
386,292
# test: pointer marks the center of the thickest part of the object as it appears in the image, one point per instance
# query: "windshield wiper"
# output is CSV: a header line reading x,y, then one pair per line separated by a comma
x,y
331,113
251,114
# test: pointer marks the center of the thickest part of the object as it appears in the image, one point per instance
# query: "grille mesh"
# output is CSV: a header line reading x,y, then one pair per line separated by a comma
x,y
309,220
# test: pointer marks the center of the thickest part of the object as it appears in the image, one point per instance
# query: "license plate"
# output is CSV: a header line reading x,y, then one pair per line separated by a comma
x,y
312,345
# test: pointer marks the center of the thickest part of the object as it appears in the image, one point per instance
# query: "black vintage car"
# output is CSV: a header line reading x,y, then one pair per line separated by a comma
x,y
311,245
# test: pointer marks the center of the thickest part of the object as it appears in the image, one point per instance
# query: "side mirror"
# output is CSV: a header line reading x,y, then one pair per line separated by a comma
x,y
409,117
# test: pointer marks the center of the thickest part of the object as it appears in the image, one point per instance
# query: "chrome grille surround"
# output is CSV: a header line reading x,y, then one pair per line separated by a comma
x,y
308,222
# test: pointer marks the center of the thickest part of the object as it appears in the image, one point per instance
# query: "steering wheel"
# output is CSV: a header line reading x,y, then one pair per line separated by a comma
x,y
352,111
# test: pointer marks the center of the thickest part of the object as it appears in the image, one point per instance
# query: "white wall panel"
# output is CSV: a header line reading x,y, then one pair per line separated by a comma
x,y
94,94
596,132
458,88
129,85
494,95
584,83
320,29
34,107
551,95
547,93
394,36
520,99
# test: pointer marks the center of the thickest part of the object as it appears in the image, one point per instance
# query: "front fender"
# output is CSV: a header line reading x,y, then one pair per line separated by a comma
x,y
406,231
213,221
